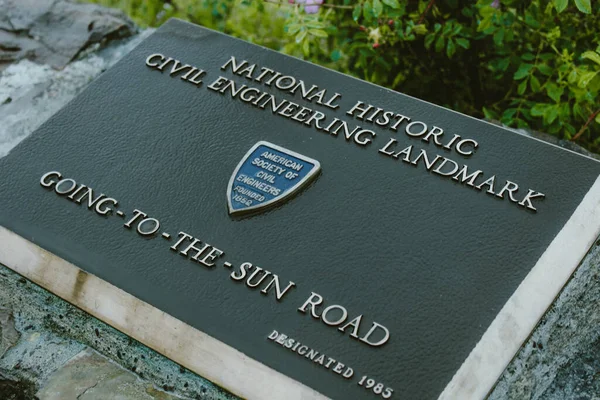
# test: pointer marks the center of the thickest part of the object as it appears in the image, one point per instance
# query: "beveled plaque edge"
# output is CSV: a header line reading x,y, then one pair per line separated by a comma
x,y
517,319
193,349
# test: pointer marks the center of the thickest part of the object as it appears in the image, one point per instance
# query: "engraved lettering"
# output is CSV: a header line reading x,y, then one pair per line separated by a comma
x,y
151,63
46,182
314,300
103,208
374,328
531,194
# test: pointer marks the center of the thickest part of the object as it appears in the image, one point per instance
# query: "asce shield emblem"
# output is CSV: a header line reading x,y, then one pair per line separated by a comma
x,y
268,175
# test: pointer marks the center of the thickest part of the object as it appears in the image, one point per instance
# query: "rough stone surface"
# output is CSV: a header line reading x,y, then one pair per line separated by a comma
x,y
30,93
90,376
8,334
53,32
16,390
53,334
38,354
561,359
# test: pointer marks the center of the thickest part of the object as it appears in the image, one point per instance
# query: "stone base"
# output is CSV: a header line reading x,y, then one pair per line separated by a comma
x,y
54,351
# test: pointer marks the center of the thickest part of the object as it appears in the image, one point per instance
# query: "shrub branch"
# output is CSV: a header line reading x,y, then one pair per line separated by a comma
x,y
584,127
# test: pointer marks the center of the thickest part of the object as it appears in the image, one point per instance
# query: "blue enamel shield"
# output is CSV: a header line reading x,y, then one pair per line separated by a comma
x,y
267,175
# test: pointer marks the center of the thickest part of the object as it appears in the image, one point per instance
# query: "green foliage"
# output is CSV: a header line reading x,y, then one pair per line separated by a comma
x,y
529,64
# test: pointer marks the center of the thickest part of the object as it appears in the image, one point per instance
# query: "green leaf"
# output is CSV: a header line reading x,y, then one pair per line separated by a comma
x,y
399,78
579,111
584,6
523,71
314,25
447,29
487,11
572,78
564,67
499,37
377,8
522,87
593,87
535,84
545,69
429,40
306,48
539,109
450,48
464,43
420,29
368,10
528,57
318,33
597,119
439,44
503,63
550,114
586,78
356,12
293,28
509,36
509,113
485,23
564,111
553,129
489,114
531,21
560,5
554,91
300,36
592,55
392,3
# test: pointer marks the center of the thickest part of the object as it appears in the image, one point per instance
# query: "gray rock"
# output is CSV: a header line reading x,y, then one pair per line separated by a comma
x,y
8,334
54,32
53,332
30,93
37,354
90,376
16,390
20,15
561,359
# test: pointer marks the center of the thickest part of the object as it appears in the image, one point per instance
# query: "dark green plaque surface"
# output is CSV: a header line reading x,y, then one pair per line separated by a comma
x,y
428,257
